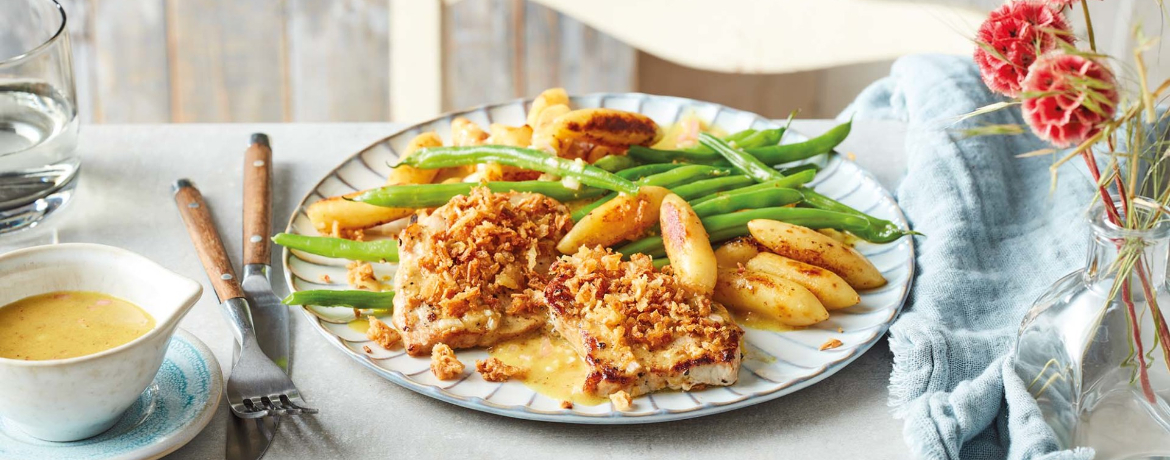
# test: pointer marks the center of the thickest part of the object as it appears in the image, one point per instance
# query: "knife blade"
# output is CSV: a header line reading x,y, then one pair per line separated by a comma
x,y
268,314
250,439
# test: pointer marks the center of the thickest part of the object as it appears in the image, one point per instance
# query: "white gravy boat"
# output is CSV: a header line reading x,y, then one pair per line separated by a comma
x,y
76,398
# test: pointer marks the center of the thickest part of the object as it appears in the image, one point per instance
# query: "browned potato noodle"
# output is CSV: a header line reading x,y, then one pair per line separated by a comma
x,y
811,247
687,245
830,289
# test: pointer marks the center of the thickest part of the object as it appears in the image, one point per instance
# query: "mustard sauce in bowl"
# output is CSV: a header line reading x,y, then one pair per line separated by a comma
x,y
69,324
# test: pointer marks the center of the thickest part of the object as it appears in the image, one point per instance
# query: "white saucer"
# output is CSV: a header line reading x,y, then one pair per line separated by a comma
x,y
176,407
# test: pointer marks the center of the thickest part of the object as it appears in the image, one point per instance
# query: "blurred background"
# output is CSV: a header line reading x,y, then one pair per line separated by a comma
x,y
157,61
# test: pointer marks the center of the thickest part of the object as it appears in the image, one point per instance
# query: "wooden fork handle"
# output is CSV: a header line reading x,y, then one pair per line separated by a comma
x,y
201,227
257,201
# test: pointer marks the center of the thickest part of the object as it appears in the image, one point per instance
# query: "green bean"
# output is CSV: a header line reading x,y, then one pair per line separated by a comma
x,y
805,217
767,154
750,166
671,178
763,198
615,163
660,262
815,168
792,181
639,172
736,137
369,251
760,139
535,160
787,153
740,135
650,245
649,155
362,300
433,195
726,226
707,187
878,230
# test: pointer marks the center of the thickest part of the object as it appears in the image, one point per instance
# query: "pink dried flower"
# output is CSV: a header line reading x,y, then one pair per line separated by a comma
x,y
1067,98
1012,37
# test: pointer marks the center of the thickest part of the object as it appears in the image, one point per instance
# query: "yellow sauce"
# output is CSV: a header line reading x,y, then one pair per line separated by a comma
x,y
361,325
554,369
68,324
762,322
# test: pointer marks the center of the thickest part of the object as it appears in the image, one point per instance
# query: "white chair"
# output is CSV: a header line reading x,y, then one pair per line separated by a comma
x,y
734,36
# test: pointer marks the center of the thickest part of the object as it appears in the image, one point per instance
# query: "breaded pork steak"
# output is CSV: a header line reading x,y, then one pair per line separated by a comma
x,y
638,329
469,271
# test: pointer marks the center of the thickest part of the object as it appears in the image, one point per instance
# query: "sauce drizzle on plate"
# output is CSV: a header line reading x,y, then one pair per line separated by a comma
x,y
554,369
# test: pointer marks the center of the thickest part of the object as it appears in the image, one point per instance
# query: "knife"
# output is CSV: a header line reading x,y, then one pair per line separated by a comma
x,y
250,439
268,314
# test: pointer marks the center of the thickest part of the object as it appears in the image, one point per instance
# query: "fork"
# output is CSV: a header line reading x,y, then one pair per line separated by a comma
x,y
257,387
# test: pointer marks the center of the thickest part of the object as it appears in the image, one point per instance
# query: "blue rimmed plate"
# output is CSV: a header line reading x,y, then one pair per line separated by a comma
x,y
176,407
776,363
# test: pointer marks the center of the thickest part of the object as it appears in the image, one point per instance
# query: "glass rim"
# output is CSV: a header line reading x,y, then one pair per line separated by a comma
x,y
41,47
1103,227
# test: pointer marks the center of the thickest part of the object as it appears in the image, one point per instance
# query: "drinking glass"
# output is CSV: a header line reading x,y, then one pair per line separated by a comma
x,y
38,113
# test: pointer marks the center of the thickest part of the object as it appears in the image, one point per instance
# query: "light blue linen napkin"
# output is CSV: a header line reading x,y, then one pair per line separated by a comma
x,y
996,236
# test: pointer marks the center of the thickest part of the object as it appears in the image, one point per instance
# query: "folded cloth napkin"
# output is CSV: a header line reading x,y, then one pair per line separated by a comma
x,y
996,236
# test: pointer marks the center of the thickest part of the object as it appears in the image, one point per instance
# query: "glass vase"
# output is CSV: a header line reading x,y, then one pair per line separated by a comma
x,y
1078,347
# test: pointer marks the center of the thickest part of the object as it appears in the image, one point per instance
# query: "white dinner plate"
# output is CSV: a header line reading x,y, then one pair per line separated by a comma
x,y
775,363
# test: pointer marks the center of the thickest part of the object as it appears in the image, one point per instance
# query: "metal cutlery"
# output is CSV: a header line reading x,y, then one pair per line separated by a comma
x,y
257,387
249,439
269,315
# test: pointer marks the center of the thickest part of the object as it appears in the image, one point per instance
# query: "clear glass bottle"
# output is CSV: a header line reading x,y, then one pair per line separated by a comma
x,y
1076,354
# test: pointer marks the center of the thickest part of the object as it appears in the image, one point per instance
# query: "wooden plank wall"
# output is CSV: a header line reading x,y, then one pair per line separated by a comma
x,y
142,61
499,49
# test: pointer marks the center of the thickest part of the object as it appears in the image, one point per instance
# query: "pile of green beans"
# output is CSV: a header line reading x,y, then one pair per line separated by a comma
x,y
728,182
367,251
535,160
362,300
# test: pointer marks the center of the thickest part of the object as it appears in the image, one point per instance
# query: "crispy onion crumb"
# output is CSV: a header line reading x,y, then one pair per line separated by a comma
x,y
621,401
494,370
382,334
444,364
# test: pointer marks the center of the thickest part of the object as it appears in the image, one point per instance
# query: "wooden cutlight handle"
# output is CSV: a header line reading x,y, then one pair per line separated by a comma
x,y
201,227
257,201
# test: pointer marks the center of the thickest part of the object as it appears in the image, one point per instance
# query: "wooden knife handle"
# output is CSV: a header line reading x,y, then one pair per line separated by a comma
x,y
201,227
257,201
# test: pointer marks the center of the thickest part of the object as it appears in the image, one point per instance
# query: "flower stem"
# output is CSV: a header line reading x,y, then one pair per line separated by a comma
x,y
1110,205
1111,211
1161,330
1143,376
1089,26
